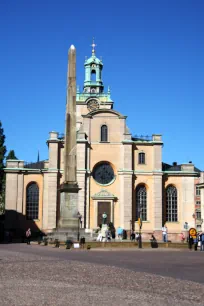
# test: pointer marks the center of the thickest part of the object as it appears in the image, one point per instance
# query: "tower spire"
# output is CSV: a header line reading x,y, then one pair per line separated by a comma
x,y
93,47
38,158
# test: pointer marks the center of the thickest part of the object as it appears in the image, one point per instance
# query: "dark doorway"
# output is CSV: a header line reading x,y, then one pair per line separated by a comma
x,y
104,207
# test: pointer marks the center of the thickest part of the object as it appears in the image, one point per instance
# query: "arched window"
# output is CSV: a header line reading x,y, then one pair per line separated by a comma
x,y
32,201
104,133
141,202
93,75
171,204
141,158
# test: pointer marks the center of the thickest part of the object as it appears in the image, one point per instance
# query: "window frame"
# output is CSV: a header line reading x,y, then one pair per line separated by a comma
x,y
32,209
101,135
93,75
141,158
172,211
197,191
143,199
198,203
198,211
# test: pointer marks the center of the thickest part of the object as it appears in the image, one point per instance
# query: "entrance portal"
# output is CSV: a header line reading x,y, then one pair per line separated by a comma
x,y
104,207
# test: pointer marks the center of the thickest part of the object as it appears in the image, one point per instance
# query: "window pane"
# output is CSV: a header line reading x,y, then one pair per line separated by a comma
x,y
104,133
171,204
141,203
32,201
197,191
198,215
141,159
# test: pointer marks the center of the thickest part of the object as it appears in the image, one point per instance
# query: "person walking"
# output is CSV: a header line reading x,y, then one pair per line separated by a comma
x,y
28,235
202,241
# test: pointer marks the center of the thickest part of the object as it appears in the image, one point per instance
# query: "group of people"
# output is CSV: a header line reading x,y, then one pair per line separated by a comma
x,y
197,241
108,234
134,236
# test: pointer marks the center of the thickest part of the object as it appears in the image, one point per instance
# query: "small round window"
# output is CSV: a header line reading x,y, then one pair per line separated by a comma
x,y
103,173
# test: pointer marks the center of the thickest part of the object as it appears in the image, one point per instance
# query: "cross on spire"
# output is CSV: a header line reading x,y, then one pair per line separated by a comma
x,y
93,47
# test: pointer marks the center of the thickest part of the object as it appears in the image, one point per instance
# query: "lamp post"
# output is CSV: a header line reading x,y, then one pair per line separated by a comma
x,y
130,228
140,225
194,217
79,219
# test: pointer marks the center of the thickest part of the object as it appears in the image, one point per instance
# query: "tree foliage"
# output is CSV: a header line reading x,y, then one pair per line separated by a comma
x,y
2,175
11,155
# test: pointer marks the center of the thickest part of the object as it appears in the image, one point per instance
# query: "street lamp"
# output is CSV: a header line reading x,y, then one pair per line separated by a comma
x,y
140,225
194,217
79,221
130,228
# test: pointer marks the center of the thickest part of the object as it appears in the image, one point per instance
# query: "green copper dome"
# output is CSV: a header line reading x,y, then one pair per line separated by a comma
x,y
93,73
93,60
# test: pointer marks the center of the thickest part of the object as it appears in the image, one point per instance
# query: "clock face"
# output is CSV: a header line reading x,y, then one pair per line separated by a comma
x,y
103,173
92,104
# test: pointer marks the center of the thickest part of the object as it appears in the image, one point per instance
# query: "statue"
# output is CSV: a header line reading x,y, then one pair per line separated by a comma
x,y
104,216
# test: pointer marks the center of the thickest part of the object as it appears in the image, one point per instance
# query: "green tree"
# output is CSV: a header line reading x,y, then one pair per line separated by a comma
x,y
2,175
11,155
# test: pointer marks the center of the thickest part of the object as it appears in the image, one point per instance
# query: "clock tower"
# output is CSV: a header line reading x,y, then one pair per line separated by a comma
x,y
93,96
93,73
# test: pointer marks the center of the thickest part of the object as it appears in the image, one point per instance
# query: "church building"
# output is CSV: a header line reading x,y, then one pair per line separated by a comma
x,y
117,173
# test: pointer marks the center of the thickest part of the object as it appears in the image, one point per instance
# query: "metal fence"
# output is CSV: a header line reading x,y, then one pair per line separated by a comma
x,y
142,137
36,165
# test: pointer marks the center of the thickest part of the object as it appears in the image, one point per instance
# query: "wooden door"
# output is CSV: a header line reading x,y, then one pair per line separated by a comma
x,y
104,207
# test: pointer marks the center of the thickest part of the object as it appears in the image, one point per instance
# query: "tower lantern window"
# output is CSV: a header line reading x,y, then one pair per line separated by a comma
x,y
93,75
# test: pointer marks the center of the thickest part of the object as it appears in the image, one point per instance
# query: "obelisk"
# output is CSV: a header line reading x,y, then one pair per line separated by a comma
x,y
69,188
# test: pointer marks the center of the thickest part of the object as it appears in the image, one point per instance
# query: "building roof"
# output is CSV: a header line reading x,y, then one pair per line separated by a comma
x,y
37,165
175,167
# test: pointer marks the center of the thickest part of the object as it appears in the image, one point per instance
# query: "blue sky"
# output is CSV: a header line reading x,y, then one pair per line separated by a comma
x,y
153,61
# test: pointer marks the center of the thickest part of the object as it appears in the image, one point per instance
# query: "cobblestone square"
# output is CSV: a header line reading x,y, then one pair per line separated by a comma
x,y
47,276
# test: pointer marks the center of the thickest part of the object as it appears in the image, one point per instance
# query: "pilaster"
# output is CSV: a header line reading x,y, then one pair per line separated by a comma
x,y
51,183
45,202
52,199
126,176
201,186
187,200
157,153
20,185
14,192
157,201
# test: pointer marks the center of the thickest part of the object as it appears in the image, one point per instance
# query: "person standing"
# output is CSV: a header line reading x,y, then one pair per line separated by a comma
x,y
202,241
132,236
164,233
182,237
119,232
28,235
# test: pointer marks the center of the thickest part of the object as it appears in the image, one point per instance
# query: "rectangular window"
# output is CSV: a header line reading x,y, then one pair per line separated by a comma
x,y
198,203
141,158
198,215
197,191
104,133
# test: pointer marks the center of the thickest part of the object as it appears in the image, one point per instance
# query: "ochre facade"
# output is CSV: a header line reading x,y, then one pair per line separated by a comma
x,y
115,170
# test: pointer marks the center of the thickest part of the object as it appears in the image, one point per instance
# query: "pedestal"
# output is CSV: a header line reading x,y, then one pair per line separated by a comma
x,y
69,206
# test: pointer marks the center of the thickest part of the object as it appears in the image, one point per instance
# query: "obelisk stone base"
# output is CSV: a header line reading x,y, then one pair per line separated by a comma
x,y
68,206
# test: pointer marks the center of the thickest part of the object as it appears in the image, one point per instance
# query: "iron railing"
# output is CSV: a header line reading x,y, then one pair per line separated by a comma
x,y
142,137
34,165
